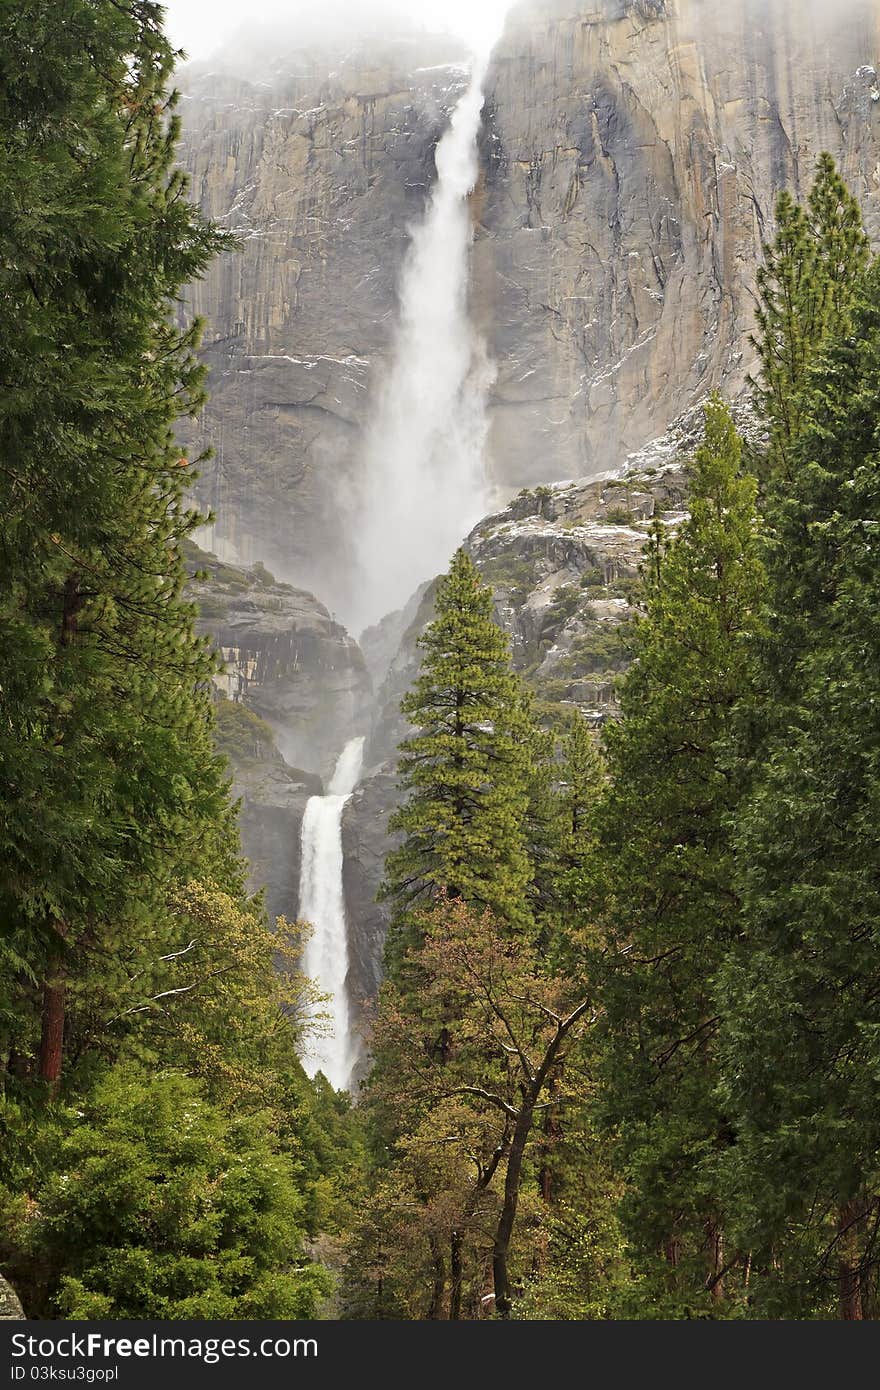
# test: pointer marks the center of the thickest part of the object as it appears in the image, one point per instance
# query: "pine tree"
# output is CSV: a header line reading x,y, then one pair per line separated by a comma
x,y
111,787
671,910
477,810
805,289
127,943
466,768
572,838
801,1035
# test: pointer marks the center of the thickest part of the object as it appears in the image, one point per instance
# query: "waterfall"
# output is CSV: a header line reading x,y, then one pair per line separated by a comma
x,y
424,475
322,903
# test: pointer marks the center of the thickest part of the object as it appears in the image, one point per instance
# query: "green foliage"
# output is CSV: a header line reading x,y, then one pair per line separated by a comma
x,y
509,572
604,648
592,579
585,1270
670,909
462,1073
112,787
805,289
160,1206
801,1042
706,894
566,601
242,736
129,949
467,767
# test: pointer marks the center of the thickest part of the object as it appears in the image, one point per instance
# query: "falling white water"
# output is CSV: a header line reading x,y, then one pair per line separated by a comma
x,y
322,903
424,474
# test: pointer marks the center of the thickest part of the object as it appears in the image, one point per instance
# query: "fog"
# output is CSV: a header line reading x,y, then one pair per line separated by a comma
x,y
201,27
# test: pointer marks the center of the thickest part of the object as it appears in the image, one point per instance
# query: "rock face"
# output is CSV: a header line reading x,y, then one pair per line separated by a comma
x,y
10,1306
320,164
285,658
293,680
273,799
631,154
365,843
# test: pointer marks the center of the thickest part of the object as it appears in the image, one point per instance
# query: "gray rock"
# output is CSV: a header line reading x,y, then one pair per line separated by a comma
x,y
285,658
305,685
366,842
10,1304
273,800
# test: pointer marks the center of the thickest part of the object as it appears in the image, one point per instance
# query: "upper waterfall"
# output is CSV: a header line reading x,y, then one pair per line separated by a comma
x,y
424,473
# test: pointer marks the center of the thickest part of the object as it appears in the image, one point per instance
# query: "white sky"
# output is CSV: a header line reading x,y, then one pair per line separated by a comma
x,y
200,26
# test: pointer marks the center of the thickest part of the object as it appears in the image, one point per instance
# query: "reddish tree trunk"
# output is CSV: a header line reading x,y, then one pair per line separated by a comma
x,y
52,1019
849,1282
52,1030
715,1252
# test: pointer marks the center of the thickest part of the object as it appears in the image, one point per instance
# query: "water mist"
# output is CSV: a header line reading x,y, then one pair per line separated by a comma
x,y
425,482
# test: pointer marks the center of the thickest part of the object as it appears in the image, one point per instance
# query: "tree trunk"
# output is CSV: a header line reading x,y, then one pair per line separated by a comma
x,y
849,1282
438,1290
54,987
455,1275
52,1029
552,1134
504,1229
715,1254
521,1131
672,1251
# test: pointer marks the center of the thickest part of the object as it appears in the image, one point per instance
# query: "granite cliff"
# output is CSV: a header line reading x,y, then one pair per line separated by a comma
x,y
632,150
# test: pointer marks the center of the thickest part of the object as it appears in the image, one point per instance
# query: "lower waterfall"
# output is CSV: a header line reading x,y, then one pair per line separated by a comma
x,y
322,904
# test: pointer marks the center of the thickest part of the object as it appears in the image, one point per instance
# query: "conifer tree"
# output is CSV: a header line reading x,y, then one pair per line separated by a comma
x,y
805,289
671,909
467,767
477,807
573,836
800,1038
161,1206
126,937
111,787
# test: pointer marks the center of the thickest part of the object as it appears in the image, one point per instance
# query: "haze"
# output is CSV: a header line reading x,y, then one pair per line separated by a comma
x,y
200,27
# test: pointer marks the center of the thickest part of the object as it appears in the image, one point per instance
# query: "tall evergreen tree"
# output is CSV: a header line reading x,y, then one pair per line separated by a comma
x,y
128,948
467,768
475,806
572,838
111,787
671,908
805,289
801,1034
